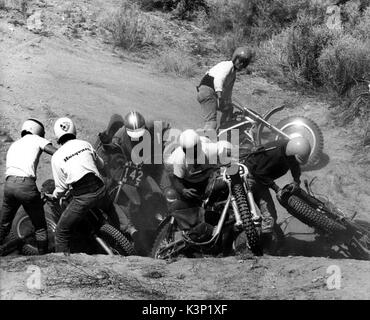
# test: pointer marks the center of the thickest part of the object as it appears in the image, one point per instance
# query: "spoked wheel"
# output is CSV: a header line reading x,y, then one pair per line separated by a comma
x,y
248,224
118,243
359,245
22,227
165,246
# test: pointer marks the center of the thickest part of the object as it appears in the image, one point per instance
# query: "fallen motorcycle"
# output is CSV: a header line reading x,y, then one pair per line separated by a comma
x,y
352,237
251,127
138,195
94,234
232,211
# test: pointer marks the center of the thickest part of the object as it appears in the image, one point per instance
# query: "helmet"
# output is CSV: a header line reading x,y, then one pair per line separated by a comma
x,y
170,195
189,139
134,123
244,54
64,126
33,126
300,148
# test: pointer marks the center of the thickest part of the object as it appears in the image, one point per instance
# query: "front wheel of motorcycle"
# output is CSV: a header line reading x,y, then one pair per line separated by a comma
x,y
246,217
359,245
165,236
304,127
116,240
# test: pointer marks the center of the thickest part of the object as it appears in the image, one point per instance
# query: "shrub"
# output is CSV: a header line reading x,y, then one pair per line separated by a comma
x,y
130,27
176,62
183,9
344,63
305,43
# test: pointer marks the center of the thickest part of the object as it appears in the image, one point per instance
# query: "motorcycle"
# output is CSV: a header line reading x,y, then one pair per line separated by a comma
x,y
94,234
138,195
251,127
351,236
222,214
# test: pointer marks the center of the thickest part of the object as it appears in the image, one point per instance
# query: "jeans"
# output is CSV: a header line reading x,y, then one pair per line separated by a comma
x,y
208,103
77,210
265,203
22,191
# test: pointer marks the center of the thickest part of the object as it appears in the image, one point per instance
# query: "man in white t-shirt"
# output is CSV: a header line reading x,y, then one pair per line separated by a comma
x,y
20,181
76,167
192,164
215,88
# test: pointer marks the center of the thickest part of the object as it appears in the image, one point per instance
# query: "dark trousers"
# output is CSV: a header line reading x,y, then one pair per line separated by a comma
x,y
22,191
77,210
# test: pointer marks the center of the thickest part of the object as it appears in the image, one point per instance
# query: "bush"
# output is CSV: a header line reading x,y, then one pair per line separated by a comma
x,y
305,43
177,62
183,9
130,27
345,63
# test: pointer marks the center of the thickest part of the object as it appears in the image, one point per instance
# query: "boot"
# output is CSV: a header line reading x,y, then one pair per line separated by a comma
x,y
42,241
4,231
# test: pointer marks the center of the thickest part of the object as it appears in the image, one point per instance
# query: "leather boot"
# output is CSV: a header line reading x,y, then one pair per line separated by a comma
x,y
42,241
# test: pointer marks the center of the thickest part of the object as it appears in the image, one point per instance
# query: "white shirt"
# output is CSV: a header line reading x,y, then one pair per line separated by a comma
x,y
184,168
224,75
71,162
23,156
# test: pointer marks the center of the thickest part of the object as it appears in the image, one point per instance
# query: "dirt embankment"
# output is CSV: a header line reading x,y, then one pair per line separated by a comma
x,y
49,75
100,277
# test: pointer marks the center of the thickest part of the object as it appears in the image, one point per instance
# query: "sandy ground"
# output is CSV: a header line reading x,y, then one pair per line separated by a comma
x,y
53,76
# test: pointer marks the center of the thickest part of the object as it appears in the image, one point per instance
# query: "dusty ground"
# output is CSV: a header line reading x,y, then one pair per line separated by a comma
x,y
52,74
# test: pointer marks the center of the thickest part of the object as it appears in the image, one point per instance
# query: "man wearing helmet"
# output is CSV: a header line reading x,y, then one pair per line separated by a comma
x,y
192,164
75,166
133,132
20,181
269,163
215,88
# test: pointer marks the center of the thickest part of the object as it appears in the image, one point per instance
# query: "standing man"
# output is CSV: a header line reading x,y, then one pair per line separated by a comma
x,y
20,181
75,165
215,88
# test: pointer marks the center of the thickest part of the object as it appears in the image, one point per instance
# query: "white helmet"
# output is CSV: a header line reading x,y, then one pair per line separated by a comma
x,y
64,126
33,126
189,139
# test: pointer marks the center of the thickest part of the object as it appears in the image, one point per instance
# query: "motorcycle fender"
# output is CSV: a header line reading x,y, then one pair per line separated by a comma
x,y
132,193
123,220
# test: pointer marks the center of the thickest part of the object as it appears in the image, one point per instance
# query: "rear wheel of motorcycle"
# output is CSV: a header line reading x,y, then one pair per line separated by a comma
x,y
163,238
116,240
308,215
248,225
307,128
22,225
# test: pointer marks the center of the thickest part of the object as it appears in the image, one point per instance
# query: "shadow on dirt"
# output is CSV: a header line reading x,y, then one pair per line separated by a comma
x,y
324,161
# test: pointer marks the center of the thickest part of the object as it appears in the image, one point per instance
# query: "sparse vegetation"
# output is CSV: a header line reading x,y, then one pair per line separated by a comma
x,y
176,62
130,27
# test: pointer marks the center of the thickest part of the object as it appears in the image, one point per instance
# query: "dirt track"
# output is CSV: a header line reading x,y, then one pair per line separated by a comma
x,y
49,77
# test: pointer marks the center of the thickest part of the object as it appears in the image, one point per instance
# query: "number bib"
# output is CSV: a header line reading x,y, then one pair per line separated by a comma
x,y
132,174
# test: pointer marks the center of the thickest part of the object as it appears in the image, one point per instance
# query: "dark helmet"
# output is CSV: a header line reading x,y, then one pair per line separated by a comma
x,y
244,54
134,123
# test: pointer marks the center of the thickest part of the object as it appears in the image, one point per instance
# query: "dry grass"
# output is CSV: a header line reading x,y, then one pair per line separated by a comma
x,y
176,62
130,28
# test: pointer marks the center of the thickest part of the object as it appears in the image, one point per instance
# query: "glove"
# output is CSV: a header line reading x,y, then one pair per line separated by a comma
x,y
279,194
190,193
295,186
50,197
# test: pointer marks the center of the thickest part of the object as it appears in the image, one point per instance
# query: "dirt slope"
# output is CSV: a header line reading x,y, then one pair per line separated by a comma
x,y
49,76
101,277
